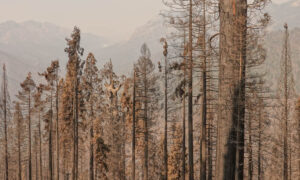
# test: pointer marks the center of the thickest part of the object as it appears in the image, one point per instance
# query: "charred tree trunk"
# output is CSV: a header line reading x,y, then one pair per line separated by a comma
x,y
40,146
250,161
285,128
259,164
75,127
36,157
57,128
133,127
166,114
123,150
145,126
183,124
19,149
92,145
50,139
29,137
190,94
230,148
203,157
183,168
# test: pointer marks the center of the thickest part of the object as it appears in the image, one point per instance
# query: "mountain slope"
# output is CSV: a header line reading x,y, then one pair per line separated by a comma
x,y
124,54
30,46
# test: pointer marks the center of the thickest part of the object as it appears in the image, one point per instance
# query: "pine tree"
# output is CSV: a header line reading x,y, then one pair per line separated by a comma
x,y
90,81
25,97
74,72
111,112
66,125
57,93
39,107
147,94
286,95
51,76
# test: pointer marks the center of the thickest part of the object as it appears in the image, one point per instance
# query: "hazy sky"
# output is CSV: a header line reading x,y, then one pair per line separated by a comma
x,y
113,19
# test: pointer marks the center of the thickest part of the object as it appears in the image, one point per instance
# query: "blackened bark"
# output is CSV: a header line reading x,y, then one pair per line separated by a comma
x,y
203,157
230,147
166,119
91,170
190,94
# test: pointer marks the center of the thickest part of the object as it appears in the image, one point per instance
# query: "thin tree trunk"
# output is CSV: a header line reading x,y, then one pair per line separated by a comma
x,y
57,128
183,120
75,129
146,127
19,150
209,150
183,140
50,139
250,161
40,146
259,164
190,94
29,137
123,170
299,146
64,160
133,128
210,118
285,135
166,119
5,120
204,102
74,137
36,159
92,145
290,160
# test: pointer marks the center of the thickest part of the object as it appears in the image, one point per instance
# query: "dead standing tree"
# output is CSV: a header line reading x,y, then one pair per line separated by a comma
x,y
51,76
286,97
5,112
230,148
75,66
165,53
25,97
112,86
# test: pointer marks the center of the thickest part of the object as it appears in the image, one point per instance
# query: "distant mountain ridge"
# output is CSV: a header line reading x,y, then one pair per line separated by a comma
x,y
31,45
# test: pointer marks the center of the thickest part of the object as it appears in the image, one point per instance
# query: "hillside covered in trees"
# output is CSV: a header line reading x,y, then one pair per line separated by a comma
x,y
212,96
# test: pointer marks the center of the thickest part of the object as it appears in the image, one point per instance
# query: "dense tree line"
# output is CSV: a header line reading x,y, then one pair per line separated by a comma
x,y
203,112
